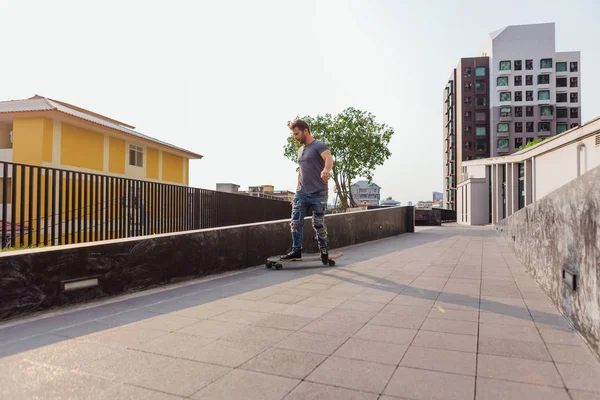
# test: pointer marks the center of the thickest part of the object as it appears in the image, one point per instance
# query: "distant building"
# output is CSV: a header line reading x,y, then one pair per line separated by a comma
x,y
438,197
389,202
410,203
365,193
264,191
227,187
425,204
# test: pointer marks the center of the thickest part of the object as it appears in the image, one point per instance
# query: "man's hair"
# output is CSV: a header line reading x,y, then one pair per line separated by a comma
x,y
300,124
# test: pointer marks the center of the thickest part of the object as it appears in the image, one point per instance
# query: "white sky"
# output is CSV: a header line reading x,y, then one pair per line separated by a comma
x,y
222,78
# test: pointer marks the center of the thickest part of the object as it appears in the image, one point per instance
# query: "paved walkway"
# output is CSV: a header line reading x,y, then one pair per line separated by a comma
x,y
445,313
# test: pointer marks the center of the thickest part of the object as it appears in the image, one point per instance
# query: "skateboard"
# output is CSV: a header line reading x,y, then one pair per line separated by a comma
x,y
277,263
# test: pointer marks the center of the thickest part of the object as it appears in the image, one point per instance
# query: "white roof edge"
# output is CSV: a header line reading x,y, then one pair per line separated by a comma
x,y
572,135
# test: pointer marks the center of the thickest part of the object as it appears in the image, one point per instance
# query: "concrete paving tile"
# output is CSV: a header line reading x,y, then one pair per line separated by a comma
x,y
366,350
561,336
351,374
374,298
179,377
572,354
386,334
69,354
493,389
211,329
284,298
290,363
580,377
513,348
304,311
129,392
340,315
28,374
440,360
518,370
312,343
504,319
454,315
72,385
581,395
332,327
203,311
315,286
261,335
399,309
127,365
242,384
398,320
317,391
124,336
241,316
261,293
408,300
450,326
168,323
282,321
325,302
510,332
446,341
456,305
225,353
430,385
361,306
263,306
175,345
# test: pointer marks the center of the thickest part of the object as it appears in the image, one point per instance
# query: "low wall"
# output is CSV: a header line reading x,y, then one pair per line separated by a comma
x,y
428,217
34,280
561,231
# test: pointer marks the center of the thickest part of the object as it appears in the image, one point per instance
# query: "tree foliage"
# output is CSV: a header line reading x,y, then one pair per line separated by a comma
x,y
357,142
532,143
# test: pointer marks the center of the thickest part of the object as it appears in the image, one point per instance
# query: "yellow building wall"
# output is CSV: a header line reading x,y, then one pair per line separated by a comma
x,y
81,148
172,168
48,140
117,155
186,164
152,163
28,140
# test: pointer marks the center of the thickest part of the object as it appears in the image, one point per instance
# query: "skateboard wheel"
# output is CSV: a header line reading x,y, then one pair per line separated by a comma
x,y
278,266
269,264
331,263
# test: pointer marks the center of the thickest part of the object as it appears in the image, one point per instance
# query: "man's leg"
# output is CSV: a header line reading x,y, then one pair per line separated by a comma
x,y
319,205
299,206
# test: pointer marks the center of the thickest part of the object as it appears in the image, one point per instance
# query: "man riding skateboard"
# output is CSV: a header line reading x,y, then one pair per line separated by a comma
x,y
316,163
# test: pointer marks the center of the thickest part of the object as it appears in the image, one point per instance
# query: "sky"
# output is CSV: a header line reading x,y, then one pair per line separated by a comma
x,y
223,78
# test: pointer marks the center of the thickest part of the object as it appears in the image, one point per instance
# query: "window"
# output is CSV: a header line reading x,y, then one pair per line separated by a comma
x,y
529,126
546,63
544,126
480,71
561,67
560,128
468,72
468,130
574,97
543,79
468,145
518,127
518,65
529,95
502,81
561,113
505,112
480,101
546,111
529,111
504,65
480,116
561,82
573,66
479,86
529,140
503,127
573,81
518,80
468,86
543,95
518,112
480,131
136,156
468,115
481,145
574,112
528,80
503,144
528,64
518,142
561,97
519,96
504,96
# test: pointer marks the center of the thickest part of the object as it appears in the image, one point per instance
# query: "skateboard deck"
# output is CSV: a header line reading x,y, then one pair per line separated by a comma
x,y
274,261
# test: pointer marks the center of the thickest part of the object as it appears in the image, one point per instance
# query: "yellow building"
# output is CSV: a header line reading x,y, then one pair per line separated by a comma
x,y
98,152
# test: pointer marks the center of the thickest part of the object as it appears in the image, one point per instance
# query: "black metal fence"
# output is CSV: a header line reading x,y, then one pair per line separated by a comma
x,y
50,206
448,215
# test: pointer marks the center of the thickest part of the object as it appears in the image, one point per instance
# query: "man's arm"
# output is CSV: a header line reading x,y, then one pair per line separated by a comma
x,y
328,158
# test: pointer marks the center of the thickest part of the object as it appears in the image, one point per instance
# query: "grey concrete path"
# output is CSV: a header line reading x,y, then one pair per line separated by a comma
x,y
444,313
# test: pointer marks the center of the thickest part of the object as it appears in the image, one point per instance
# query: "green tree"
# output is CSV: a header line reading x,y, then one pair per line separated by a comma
x,y
357,142
532,143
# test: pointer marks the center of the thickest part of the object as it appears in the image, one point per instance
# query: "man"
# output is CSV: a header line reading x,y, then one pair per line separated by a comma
x,y
316,163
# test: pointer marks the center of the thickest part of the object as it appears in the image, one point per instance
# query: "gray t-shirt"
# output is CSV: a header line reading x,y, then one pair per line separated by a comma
x,y
311,165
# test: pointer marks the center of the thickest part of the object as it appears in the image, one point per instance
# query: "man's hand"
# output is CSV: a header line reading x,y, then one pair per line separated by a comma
x,y
325,175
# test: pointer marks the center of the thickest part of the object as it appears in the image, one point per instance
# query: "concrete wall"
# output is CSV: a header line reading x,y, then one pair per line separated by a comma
x,y
431,217
562,231
33,280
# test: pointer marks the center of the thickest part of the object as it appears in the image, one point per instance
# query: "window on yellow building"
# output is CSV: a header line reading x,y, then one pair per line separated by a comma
x,y
136,156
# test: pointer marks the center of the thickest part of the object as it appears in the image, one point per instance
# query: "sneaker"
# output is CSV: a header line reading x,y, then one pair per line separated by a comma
x,y
292,255
324,255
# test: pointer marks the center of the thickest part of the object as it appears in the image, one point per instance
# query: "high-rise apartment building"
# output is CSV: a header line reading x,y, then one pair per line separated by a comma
x,y
530,91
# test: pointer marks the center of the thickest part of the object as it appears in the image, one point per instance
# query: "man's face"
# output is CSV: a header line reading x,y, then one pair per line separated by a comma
x,y
299,135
